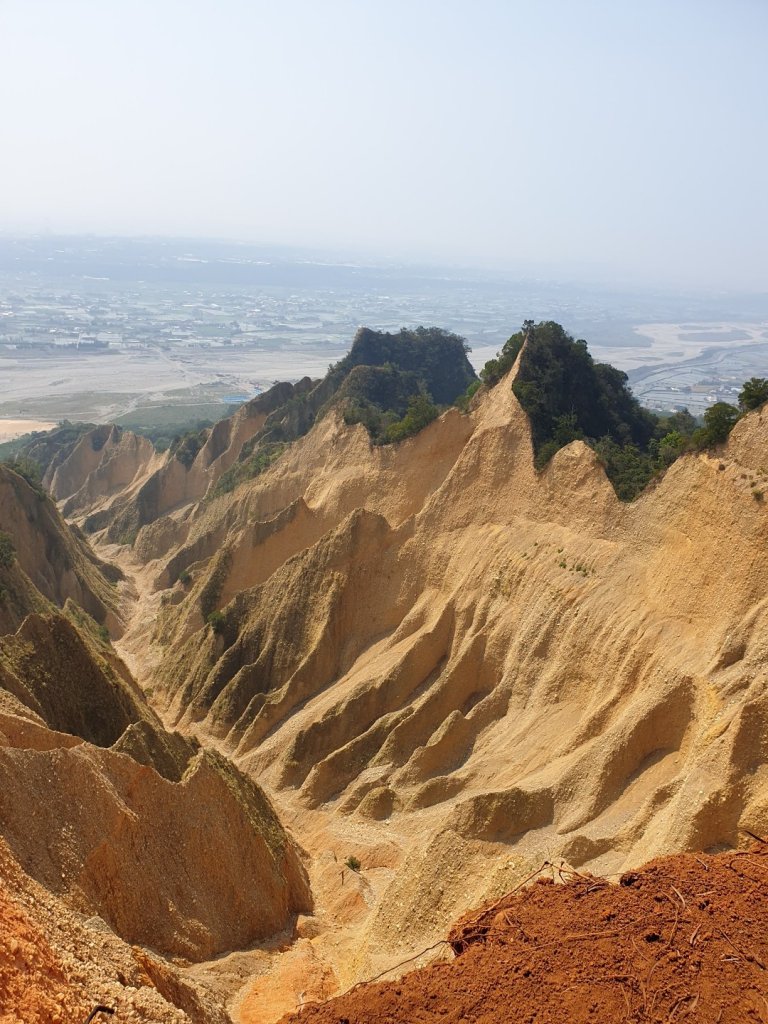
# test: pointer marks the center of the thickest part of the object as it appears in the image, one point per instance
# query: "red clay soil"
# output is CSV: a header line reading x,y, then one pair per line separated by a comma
x,y
33,986
683,939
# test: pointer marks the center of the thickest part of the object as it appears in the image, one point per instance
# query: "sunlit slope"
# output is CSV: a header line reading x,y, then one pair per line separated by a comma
x,y
45,562
437,630
114,478
113,481
162,861
104,814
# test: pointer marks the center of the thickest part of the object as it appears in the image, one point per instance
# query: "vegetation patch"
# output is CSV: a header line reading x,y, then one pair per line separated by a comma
x,y
28,470
569,397
397,384
253,465
385,426
463,401
217,621
436,357
7,550
393,383
186,447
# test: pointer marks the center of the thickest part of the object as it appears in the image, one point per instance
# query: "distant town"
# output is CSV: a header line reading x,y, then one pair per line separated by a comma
x,y
112,329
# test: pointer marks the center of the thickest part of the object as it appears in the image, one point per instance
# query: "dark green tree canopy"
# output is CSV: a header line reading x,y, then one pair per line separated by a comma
x,y
567,395
187,446
392,383
753,394
395,384
496,368
437,357
719,420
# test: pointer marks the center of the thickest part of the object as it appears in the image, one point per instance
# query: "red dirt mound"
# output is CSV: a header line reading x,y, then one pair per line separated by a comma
x,y
683,939
33,985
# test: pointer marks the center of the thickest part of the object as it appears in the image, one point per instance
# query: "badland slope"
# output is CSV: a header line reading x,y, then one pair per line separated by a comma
x,y
483,663
190,868
116,481
56,965
114,833
48,562
118,477
445,666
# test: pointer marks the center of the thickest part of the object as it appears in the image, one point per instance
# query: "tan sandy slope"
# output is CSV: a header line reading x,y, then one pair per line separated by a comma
x,y
452,666
116,480
123,847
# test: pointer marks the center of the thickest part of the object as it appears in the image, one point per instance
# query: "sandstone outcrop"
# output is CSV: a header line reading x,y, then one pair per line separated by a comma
x,y
105,815
442,665
487,659
115,479
51,562
56,965
476,614
190,868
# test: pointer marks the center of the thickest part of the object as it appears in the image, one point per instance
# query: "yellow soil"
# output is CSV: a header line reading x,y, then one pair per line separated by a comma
x,y
452,667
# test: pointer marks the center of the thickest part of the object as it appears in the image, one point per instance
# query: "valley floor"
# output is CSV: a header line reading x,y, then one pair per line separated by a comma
x,y
324,954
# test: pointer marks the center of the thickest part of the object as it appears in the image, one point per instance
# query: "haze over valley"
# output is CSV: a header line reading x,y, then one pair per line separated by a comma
x,y
151,331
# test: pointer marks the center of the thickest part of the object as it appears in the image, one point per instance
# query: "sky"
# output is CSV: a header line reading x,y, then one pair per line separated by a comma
x,y
620,140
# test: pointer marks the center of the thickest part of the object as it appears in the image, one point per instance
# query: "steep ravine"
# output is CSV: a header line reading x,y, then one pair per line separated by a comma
x,y
317,959
126,851
451,668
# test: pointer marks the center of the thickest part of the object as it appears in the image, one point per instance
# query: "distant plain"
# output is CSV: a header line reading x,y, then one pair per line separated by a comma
x,y
160,331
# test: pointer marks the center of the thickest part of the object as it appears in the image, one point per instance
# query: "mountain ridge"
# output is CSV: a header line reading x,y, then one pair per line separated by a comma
x,y
445,665
472,656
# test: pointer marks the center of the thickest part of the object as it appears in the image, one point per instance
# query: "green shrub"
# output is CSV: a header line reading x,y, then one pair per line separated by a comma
x,y
185,447
568,396
496,368
436,357
251,466
463,401
753,394
353,863
28,470
7,550
628,468
217,621
719,421
420,414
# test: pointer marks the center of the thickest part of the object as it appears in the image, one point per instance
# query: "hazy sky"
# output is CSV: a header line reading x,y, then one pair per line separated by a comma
x,y
624,138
